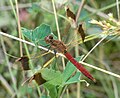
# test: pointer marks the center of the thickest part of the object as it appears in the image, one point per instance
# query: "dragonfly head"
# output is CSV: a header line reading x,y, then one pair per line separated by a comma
x,y
48,38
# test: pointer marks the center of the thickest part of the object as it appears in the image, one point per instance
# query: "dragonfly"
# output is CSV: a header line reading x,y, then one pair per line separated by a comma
x,y
61,47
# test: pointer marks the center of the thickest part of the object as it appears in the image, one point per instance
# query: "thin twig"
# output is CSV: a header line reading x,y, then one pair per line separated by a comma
x,y
13,8
113,81
118,10
97,11
8,64
48,62
79,10
56,20
19,27
89,65
100,69
76,47
6,85
58,30
29,43
93,48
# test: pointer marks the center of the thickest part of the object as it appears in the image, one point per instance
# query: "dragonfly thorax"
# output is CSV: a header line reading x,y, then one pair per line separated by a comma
x,y
56,44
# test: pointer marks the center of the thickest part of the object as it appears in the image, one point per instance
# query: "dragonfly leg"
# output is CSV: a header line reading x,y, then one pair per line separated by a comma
x,y
48,48
55,53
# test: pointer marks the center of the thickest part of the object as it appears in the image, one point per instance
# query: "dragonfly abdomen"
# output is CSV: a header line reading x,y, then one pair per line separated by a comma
x,y
79,66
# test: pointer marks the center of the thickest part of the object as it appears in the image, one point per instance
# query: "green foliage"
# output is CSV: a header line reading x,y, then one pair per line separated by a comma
x,y
31,15
38,34
54,79
23,90
74,79
44,96
70,68
57,80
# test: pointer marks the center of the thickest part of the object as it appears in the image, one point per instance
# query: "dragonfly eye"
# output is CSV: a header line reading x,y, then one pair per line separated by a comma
x,y
50,37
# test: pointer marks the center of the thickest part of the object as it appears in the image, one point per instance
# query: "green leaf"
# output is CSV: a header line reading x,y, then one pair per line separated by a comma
x,y
38,34
52,90
56,81
70,68
44,96
49,74
27,33
74,79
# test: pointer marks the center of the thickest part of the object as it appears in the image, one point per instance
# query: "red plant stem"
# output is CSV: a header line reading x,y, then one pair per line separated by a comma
x,y
78,66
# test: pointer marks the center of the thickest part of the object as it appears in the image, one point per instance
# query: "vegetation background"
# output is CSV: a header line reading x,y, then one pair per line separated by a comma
x,y
32,13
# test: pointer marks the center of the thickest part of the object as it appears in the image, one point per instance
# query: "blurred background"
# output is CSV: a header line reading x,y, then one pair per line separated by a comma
x,y
32,13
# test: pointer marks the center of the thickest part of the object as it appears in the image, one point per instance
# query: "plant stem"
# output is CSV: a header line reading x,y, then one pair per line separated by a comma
x,y
93,48
56,20
118,10
58,30
13,9
6,85
19,27
100,69
59,92
8,64
76,47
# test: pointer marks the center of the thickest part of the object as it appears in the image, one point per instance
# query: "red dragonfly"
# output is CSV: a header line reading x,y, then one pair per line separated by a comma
x,y
60,46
